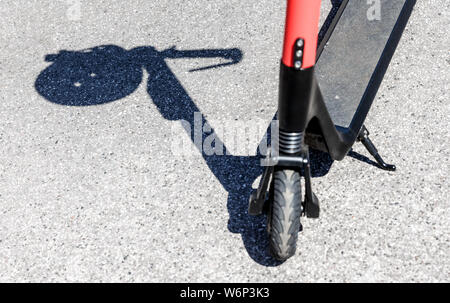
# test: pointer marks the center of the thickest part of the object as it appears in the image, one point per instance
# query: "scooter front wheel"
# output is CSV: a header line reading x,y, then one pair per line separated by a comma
x,y
284,214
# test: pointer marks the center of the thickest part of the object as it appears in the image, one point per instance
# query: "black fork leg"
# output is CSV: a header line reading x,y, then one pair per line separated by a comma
x,y
258,198
311,205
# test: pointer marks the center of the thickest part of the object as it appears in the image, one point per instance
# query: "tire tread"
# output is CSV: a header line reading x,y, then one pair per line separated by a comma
x,y
286,211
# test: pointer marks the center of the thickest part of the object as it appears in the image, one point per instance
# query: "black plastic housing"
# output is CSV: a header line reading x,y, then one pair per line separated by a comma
x,y
301,108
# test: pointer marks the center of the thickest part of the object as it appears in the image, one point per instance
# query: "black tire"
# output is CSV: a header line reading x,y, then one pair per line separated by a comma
x,y
284,214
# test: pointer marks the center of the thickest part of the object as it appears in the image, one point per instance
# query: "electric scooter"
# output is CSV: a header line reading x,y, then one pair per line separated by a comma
x,y
326,89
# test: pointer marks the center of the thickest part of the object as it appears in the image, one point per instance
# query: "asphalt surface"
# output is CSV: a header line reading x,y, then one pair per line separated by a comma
x,y
90,189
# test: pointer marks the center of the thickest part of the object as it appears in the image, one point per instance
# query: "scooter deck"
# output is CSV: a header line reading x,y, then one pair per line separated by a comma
x,y
353,63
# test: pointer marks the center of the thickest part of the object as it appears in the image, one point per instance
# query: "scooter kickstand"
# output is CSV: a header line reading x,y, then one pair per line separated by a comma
x,y
363,137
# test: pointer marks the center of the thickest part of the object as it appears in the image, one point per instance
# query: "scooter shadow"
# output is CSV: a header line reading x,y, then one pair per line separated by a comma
x,y
107,73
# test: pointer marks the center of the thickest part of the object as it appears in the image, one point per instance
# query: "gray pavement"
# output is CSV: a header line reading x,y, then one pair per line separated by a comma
x,y
89,188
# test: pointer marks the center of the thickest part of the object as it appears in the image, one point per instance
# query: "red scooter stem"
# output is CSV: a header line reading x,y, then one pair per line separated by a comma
x,y
302,21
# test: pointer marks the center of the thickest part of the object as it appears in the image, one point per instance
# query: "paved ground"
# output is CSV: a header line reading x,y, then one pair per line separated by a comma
x,y
93,193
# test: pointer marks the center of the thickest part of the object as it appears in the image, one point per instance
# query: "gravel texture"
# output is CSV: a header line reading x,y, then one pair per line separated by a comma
x,y
89,187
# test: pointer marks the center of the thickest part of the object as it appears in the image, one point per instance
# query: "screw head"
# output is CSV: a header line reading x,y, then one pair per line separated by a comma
x,y
299,53
298,64
300,43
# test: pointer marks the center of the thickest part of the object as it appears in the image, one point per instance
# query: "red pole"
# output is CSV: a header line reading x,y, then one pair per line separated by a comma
x,y
302,21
